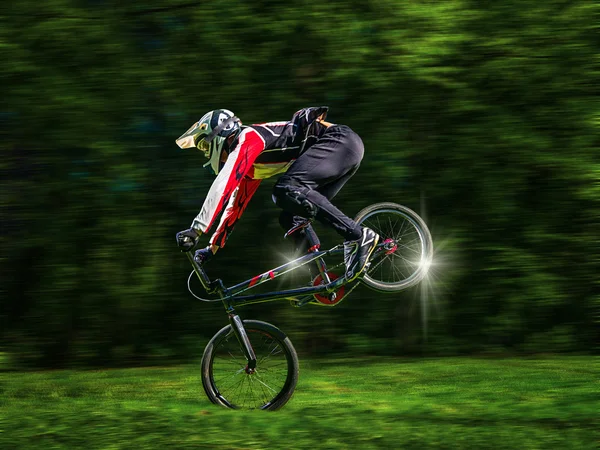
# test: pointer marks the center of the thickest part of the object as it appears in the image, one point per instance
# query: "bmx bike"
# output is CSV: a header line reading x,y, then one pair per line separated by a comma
x,y
251,364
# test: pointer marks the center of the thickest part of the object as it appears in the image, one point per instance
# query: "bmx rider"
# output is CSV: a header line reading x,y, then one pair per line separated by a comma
x,y
314,160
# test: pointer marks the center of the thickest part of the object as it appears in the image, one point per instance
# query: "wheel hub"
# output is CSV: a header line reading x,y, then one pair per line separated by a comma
x,y
390,246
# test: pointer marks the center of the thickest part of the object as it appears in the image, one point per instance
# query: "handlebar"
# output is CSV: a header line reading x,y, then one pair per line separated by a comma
x,y
212,287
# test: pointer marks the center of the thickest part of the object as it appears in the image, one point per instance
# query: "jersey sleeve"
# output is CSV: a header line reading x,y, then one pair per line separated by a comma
x,y
238,165
236,206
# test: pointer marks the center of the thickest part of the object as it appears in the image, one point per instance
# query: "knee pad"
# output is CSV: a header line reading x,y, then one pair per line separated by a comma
x,y
294,199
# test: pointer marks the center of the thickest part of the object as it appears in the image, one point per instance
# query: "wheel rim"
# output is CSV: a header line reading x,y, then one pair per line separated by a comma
x,y
239,387
410,260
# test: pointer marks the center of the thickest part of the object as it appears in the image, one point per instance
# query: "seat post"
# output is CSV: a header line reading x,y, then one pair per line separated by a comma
x,y
314,245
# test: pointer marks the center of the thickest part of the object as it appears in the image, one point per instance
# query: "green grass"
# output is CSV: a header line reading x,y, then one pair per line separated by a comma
x,y
542,403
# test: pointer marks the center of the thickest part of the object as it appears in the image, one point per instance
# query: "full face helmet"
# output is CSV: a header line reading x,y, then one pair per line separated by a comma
x,y
209,135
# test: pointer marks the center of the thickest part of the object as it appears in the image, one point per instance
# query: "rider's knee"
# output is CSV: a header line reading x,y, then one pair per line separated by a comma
x,y
294,198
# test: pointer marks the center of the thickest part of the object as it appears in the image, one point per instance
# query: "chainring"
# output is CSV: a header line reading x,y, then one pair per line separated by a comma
x,y
323,299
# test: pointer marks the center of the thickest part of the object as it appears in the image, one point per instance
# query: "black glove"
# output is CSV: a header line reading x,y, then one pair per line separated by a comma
x,y
203,255
187,239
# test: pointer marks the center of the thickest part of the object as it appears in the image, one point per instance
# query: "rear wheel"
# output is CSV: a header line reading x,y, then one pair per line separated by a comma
x,y
405,249
229,382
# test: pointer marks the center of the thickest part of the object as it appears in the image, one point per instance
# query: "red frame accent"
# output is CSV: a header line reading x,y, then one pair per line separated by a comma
x,y
254,280
258,278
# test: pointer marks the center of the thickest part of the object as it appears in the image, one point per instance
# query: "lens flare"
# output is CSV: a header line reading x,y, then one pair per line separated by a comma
x,y
425,264
440,269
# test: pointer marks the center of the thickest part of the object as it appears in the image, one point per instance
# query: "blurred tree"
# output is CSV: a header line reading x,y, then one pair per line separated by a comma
x,y
485,113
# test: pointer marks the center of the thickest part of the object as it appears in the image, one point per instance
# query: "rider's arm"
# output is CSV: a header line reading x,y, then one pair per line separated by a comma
x,y
238,165
236,206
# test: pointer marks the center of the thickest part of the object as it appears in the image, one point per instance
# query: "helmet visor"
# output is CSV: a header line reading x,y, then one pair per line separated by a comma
x,y
193,137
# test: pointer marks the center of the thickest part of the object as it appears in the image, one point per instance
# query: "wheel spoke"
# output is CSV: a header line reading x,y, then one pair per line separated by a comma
x,y
250,389
406,247
265,385
402,267
234,359
265,394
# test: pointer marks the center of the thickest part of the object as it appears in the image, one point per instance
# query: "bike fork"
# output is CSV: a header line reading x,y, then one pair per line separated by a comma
x,y
240,332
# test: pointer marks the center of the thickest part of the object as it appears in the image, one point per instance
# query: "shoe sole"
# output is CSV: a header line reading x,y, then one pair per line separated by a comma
x,y
356,275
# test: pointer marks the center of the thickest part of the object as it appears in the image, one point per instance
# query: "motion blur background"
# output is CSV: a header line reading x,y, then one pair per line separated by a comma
x,y
483,116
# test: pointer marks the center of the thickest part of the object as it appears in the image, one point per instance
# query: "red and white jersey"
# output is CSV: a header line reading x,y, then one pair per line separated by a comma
x,y
261,151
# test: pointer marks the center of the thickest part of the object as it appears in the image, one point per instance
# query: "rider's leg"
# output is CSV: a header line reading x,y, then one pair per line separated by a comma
x,y
306,238
329,163
330,190
317,175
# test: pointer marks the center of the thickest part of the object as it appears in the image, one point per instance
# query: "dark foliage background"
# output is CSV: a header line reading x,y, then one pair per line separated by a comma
x,y
482,116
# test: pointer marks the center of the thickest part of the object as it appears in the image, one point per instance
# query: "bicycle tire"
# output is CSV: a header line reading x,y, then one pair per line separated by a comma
x,y
422,254
237,389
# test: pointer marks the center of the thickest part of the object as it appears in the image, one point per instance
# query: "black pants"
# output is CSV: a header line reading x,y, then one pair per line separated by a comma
x,y
318,174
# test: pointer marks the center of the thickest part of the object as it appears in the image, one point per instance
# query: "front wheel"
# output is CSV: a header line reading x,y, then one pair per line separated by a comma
x,y
229,382
405,249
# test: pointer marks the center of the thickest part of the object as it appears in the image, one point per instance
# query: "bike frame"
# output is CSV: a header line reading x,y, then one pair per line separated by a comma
x,y
231,296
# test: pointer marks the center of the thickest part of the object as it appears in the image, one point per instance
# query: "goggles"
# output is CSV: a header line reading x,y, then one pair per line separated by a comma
x,y
203,145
